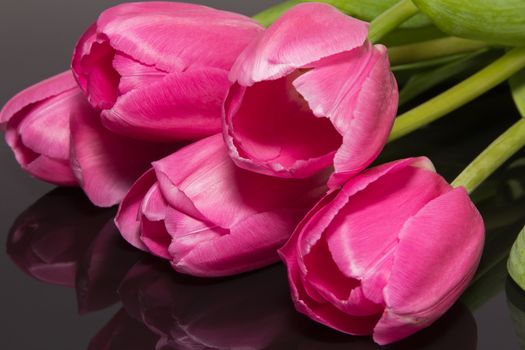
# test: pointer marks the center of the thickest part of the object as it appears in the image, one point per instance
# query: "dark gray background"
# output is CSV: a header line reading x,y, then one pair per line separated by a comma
x,y
36,41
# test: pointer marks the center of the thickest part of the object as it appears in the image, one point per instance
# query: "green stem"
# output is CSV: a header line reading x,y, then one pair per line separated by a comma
x,y
432,49
464,92
390,19
436,62
492,157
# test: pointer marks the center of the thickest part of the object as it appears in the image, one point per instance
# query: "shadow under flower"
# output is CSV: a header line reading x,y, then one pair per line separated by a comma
x,y
62,239
251,311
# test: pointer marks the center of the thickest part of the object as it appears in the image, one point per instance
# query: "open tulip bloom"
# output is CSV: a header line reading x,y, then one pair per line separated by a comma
x,y
310,93
159,70
28,118
58,137
280,119
211,218
387,254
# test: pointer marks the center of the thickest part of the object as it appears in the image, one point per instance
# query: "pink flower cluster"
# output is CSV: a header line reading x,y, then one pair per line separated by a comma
x,y
218,138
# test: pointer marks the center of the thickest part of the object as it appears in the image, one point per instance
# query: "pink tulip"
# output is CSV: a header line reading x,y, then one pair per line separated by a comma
x,y
387,254
37,128
310,93
107,164
159,69
209,217
58,137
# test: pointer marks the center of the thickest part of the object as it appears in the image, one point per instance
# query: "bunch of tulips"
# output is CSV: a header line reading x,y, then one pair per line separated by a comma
x,y
230,143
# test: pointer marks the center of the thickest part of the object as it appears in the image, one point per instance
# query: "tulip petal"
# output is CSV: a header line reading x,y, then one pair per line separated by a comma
x,y
102,81
448,230
358,93
154,234
93,69
381,210
127,219
133,74
280,138
320,217
45,89
251,244
106,164
52,170
57,171
45,129
324,313
154,207
174,36
301,253
324,278
211,179
338,109
185,105
37,127
82,49
305,34
187,232
311,228
291,254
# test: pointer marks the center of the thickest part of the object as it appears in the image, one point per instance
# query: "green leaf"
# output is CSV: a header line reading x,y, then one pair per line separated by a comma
x,y
517,87
426,80
366,10
495,21
516,263
405,72
403,36
426,64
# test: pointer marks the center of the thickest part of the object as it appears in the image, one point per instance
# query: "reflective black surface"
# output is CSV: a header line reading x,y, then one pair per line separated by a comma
x,y
68,281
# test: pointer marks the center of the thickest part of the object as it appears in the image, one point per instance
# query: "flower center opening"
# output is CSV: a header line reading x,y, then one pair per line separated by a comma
x,y
275,127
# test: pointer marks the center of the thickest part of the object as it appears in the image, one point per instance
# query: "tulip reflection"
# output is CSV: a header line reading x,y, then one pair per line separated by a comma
x,y
63,239
251,311
246,312
123,332
516,304
502,203
455,330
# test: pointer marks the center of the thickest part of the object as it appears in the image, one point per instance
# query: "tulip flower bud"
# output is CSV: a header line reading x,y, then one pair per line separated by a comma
x,y
107,164
36,121
495,21
310,93
158,70
211,218
58,137
388,254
